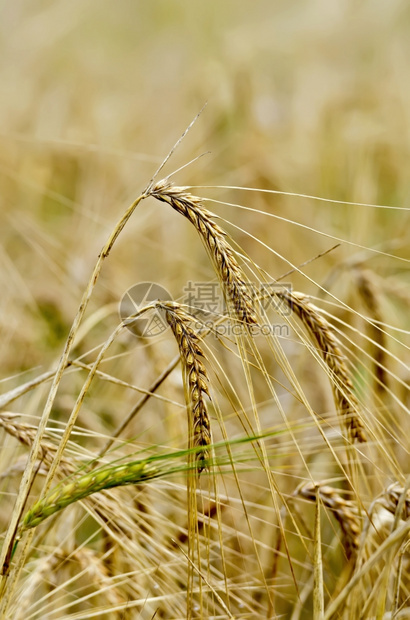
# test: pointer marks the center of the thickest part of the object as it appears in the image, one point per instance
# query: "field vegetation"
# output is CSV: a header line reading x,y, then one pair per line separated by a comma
x,y
238,448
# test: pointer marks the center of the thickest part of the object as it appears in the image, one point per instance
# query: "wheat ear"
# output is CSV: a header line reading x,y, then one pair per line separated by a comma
x,y
393,496
321,333
371,298
25,433
344,511
196,378
232,278
79,488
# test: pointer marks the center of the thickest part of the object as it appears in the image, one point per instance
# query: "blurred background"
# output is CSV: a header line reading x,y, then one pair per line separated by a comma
x,y
309,97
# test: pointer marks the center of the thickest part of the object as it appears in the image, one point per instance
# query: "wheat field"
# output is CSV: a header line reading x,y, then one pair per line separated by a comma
x,y
204,264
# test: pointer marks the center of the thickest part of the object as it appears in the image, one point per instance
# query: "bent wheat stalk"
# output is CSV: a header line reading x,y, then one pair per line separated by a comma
x,y
231,276
196,378
321,333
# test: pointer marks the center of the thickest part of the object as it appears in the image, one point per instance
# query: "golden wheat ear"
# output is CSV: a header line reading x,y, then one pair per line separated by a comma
x,y
345,513
370,295
321,333
196,379
232,278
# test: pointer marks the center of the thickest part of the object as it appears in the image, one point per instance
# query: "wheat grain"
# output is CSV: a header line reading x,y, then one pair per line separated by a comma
x,y
232,278
196,378
344,511
320,331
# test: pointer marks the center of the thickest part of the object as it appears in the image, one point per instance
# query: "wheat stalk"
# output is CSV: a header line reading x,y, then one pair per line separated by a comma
x,y
196,378
320,331
344,511
232,278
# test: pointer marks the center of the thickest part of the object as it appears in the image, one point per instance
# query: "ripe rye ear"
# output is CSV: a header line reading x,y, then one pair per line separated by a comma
x,y
321,333
345,512
231,276
196,379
